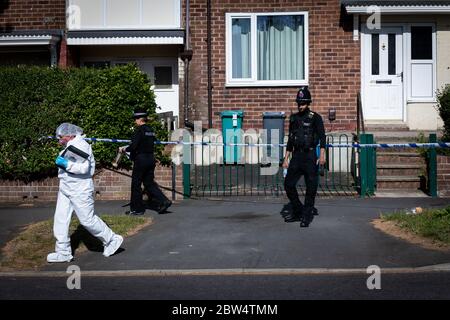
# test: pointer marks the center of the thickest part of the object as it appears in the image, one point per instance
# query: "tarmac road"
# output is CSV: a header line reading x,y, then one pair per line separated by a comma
x,y
243,235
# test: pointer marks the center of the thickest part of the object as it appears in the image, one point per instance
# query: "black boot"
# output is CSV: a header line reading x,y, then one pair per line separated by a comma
x,y
287,210
307,218
164,207
294,216
134,213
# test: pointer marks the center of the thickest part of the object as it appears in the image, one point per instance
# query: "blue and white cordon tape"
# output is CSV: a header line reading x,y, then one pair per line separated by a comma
x,y
333,145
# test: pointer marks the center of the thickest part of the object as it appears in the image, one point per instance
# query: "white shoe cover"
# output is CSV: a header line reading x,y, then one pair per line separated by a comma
x,y
55,257
113,245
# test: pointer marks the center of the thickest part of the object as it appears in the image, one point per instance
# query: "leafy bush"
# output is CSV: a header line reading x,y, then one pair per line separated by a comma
x,y
35,100
444,109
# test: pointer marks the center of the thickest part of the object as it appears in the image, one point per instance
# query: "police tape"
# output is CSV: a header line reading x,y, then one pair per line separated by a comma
x,y
332,145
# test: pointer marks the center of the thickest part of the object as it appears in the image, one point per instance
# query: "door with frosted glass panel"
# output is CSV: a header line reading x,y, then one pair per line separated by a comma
x,y
383,74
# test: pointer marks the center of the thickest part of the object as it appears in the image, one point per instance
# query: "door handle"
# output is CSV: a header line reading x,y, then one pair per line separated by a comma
x,y
400,75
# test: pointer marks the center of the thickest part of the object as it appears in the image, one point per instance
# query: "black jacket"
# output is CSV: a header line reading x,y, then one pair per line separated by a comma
x,y
142,141
298,119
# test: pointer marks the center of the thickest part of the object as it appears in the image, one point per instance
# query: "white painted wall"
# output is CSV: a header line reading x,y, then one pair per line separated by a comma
x,y
424,116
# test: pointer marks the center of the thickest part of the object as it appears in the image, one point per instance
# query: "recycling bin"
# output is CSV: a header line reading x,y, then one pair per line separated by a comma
x,y
232,133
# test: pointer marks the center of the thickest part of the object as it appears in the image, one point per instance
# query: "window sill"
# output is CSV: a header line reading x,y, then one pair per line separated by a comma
x,y
266,84
163,90
413,101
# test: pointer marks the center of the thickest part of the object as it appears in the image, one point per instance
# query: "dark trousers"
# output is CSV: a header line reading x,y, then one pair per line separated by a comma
x,y
144,172
302,164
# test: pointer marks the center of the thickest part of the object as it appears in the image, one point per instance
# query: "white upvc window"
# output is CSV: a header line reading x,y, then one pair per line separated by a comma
x,y
267,49
421,57
123,14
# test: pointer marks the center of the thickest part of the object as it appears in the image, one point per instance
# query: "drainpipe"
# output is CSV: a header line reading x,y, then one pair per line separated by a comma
x,y
53,54
186,55
209,47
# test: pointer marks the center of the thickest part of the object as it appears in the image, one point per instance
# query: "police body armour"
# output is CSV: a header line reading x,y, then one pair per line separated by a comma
x,y
304,137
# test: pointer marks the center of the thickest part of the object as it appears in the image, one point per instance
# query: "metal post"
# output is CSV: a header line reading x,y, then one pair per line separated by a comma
x,y
53,55
432,173
186,180
363,167
372,166
367,167
209,60
174,181
187,158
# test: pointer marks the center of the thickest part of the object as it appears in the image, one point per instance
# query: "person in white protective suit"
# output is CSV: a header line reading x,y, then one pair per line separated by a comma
x,y
76,193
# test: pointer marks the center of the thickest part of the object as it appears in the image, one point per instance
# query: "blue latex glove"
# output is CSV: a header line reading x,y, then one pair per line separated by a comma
x,y
61,162
320,167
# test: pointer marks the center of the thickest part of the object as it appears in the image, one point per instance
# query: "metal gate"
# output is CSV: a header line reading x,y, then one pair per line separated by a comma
x,y
208,176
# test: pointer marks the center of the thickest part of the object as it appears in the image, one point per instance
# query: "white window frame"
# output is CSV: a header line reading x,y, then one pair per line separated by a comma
x,y
253,81
410,62
166,63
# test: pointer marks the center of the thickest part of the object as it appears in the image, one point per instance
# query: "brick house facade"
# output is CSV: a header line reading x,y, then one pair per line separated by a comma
x,y
33,32
334,64
335,53
18,15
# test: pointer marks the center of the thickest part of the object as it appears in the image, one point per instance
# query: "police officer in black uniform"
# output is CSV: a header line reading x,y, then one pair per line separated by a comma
x,y
306,131
142,154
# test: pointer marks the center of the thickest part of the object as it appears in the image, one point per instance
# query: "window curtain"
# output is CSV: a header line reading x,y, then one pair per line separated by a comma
x,y
281,48
241,46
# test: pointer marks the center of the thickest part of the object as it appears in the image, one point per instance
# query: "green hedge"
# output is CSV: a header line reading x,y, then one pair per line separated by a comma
x,y
444,109
35,100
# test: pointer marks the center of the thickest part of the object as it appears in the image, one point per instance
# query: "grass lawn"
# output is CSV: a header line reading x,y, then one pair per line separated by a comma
x,y
29,249
433,224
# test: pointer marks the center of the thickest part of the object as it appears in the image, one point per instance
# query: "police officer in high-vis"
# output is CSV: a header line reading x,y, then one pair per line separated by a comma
x,y
306,131
141,152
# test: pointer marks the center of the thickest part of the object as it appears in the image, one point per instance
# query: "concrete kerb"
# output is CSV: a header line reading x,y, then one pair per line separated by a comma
x,y
227,272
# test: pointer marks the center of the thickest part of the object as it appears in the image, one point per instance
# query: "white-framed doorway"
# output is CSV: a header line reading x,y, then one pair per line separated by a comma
x,y
382,73
162,71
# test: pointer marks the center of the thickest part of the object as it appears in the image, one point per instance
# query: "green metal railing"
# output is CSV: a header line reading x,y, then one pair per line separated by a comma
x,y
208,176
368,167
432,167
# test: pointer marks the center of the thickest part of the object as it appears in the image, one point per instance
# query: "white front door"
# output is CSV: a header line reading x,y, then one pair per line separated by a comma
x,y
383,74
164,75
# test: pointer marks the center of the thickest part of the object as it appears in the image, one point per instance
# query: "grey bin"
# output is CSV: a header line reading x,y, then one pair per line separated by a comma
x,y
274,121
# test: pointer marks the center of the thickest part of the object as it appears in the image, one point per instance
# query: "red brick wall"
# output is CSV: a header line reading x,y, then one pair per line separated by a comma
x,y
443,176
334,67
68,56
37,15
32,14
109,185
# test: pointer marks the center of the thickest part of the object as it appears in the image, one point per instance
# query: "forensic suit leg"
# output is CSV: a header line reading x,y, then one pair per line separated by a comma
x,y
63,215
83,204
